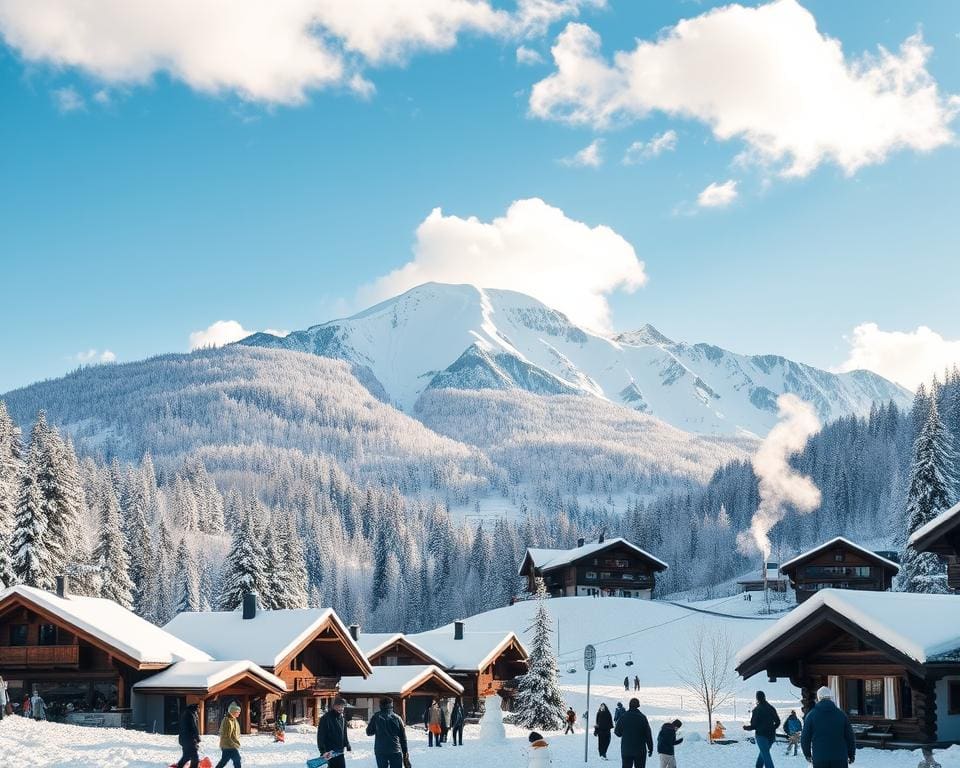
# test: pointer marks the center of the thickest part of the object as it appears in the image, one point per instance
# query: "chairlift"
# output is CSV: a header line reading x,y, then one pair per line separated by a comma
x,y
572,671
629,663
606,666
614,664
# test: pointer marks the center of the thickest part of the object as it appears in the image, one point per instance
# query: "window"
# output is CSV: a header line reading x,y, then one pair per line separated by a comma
x,y
18,634
297,664
864,697
838,556
390,661
48,634
591,575
953,697
604,574
906,698
628,577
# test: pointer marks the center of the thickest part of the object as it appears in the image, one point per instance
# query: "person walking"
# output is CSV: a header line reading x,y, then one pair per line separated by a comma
x,y
457,720
666,741
827,739
764,722
25,707
333,739
390,736
188,736
636,739
792,727
434,720
626,683
445,722
230,737
602,727
571,719
636,682
618,712
539,751
38,707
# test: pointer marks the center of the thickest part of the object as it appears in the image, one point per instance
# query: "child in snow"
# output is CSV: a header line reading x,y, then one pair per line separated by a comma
x,y
718,733
539,751
38,707
571,719
230,737
793,727
280,728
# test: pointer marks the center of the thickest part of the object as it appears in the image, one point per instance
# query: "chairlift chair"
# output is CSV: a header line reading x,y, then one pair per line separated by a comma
x,y
572,671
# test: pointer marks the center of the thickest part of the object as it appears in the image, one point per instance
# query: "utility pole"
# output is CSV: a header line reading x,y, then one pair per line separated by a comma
x,y
589,662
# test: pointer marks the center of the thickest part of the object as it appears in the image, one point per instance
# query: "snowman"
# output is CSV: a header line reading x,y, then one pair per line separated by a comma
x,y
491,724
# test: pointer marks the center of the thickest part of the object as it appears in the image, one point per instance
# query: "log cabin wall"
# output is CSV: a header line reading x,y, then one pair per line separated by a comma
x,y
839,567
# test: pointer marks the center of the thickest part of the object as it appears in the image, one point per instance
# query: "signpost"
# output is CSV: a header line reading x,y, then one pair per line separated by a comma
x,y
589,662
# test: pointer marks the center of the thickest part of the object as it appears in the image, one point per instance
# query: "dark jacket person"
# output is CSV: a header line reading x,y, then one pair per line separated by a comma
x,y
603,725
764,721
827,738
390,736
636,739
189,737
332,733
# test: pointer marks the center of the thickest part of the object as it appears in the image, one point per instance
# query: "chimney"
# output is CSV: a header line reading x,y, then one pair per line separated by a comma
x,y
62,586
249,605
355,632
580,542
602,533
458,630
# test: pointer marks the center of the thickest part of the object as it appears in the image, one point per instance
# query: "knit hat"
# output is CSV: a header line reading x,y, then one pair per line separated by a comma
x,y
234,707
824,693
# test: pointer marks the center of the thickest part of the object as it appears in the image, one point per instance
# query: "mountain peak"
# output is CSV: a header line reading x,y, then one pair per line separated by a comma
x,y
645,334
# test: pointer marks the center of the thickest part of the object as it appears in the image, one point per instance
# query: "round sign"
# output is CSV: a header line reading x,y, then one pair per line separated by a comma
x,y
589,658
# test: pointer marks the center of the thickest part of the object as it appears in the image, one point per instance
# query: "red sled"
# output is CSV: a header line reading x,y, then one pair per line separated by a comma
x,y
205,762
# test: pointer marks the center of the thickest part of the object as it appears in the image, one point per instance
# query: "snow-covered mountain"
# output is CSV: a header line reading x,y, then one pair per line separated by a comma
x,y
463,337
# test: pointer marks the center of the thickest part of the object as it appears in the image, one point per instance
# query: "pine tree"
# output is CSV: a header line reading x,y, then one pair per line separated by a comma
x,y
63,494
10,469
295,567
244,569
188,580
111,555
539,703
932,480
139,547
32,562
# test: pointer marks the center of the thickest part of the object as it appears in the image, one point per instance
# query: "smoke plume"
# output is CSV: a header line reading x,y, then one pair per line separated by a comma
x,y
780,484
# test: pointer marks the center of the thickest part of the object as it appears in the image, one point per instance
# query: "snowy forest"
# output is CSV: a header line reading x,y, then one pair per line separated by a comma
x,y
380,543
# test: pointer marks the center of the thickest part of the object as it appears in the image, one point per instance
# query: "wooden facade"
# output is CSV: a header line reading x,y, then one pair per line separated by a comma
x,y
942,537
838,564
606,569
496,676
873,682
410,700
400,652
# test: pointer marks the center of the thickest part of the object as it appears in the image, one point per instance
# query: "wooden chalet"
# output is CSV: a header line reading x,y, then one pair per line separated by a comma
x,y
308,649
87,657
392,649
941,536
411,686
614,568
482,662
891,658
839,564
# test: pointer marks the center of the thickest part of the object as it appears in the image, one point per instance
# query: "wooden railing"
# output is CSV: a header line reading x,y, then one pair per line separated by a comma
x,y
40,656
316,683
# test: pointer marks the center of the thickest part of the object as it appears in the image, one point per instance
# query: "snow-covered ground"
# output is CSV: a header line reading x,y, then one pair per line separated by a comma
x,y
28,744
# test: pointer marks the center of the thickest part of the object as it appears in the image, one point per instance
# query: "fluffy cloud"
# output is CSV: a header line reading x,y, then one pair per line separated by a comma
x,y
718,195
528,56
68,100
765,75
218,334
265,52
534,248
645,150
94,356
588,157
906,357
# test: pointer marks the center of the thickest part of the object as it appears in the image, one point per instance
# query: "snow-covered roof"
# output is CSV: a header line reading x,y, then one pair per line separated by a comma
x,y
913,624
266,639
941,521
113,625
545,559
206,675
372,643
474,652
833,542
399,679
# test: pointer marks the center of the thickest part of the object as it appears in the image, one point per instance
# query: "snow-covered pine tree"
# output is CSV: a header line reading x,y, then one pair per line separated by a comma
x,y
10,468
111,555
295,567
244,569
139,546
63,499
188,580
932,480
539,703
32,563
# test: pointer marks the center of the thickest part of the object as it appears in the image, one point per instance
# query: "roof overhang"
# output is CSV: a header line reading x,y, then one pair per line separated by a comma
x,y
402,639
941,535
339,633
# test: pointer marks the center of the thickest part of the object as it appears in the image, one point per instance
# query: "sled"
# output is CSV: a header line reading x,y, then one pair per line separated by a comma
x,y
205,762
319,762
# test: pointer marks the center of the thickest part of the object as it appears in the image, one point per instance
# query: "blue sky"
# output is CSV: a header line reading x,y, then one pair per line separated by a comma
x,y
139,207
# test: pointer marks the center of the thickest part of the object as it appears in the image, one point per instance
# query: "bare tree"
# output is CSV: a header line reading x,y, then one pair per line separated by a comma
x,y
707,672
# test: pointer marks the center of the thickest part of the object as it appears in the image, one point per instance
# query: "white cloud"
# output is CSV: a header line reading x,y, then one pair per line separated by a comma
x,y
718,195
765,75
906,357
645,150
218,334
534,248
102,97
94,356
265,52
528,56
68,100
588,157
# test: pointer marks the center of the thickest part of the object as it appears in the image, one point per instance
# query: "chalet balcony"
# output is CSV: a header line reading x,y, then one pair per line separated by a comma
x,y
316,686
40,656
